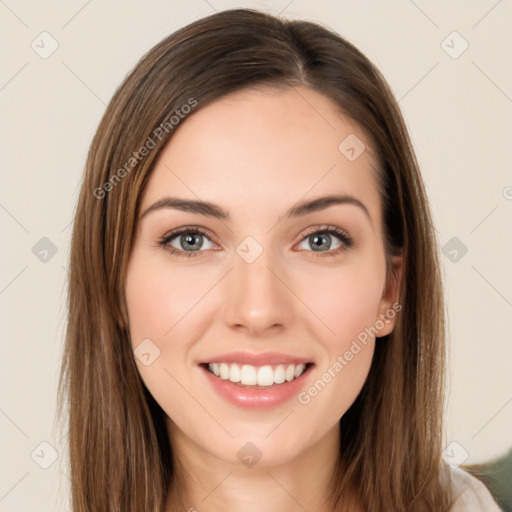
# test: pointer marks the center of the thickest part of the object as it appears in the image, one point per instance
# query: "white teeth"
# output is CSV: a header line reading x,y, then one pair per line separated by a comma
x,y
234,373
265,376
279,374
214,367
224,371
251,375
248,375
299,369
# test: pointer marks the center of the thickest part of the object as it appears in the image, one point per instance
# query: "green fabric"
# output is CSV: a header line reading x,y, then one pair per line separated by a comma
x,y
497,476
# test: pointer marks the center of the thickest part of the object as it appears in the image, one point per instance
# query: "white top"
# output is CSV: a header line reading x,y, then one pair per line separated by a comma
x,y
472,495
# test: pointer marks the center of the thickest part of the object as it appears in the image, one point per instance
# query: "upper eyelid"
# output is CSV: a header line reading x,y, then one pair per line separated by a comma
x,y
188,229
320,228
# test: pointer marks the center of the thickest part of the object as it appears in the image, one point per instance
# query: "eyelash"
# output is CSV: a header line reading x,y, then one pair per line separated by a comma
x,y
341,234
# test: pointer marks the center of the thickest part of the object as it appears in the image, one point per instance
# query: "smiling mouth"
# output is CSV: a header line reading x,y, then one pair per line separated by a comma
x,y
258,377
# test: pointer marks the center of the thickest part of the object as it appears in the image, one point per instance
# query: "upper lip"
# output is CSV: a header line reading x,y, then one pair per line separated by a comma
x,y
261,359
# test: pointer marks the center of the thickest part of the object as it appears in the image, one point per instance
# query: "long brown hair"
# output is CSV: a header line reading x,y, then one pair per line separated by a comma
x,y
120,455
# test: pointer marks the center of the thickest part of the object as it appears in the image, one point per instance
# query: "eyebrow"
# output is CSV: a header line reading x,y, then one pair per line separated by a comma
x,y
212,210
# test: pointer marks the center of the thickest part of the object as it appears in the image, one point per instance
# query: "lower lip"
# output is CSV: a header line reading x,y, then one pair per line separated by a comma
x,y
254,398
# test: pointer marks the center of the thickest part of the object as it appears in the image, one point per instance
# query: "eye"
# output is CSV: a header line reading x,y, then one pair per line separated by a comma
x,y
186,242
189,241
327,240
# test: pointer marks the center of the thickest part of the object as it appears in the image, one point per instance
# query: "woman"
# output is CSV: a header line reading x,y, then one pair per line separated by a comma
x,y
255,303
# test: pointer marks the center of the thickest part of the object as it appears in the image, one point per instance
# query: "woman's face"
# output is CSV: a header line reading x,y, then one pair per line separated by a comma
x,y
261,290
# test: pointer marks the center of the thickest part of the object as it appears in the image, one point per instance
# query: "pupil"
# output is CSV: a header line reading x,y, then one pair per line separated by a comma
x,y
192,239
321,240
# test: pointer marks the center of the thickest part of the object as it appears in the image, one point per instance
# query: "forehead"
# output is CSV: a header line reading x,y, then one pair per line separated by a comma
x,y
266,148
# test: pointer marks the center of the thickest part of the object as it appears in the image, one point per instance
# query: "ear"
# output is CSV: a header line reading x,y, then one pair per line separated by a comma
x,y
389,305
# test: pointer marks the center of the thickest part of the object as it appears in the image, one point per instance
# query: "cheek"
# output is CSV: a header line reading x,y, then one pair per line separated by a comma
x,y
347,301
159,296
160,300
165,306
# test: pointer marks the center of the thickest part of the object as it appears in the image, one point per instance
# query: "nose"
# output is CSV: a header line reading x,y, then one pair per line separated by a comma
x,y
257,297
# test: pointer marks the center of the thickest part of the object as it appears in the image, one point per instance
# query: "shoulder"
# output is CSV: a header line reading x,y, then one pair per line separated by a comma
x,y
470,494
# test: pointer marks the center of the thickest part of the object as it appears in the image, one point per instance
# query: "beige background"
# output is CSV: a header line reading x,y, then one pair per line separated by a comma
x,y
458,111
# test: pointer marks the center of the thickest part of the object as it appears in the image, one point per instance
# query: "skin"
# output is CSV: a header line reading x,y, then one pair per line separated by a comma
x,y
256,153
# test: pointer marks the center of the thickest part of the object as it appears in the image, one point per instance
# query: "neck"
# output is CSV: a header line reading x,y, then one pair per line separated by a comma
x,y
203,481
